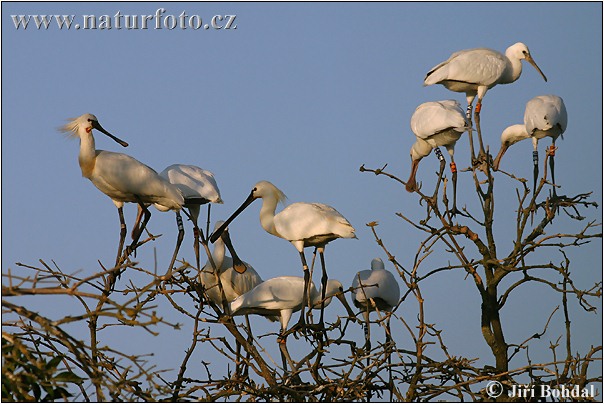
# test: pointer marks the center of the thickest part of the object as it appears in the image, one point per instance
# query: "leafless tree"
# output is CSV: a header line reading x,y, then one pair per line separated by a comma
x,y
43,360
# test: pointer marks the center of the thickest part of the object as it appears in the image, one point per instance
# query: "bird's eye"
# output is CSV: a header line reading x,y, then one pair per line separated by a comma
x,y
89,120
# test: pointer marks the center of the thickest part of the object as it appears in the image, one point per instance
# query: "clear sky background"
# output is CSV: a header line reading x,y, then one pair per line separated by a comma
x,y
300,94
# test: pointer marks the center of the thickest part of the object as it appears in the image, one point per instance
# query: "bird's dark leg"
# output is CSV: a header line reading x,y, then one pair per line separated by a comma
x,y
472,154
208,222
552,153
285,357
367,330
454,179
440,173
535,170
481,154
139,231
323,286
181,235
241,368
389,348
120,212
305,299
469,112
196,232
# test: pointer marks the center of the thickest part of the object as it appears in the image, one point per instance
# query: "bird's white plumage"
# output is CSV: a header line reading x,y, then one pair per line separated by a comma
x,y
193,182
474,71
281,296
376,286
545,115
435,123
303,224
439,122
470,68
233,283
119,176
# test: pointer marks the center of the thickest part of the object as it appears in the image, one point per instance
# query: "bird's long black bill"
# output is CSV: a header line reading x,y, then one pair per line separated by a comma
x,y
238,265
342,299
532,62
98,127
220,230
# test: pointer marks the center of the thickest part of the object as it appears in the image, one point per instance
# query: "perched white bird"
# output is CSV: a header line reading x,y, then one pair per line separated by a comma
x,y
375,290
198,187
544,116
121,177
282,296
439,123
234,283
474,71
303,224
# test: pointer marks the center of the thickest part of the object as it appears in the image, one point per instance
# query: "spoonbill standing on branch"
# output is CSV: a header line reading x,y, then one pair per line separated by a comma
x,y
375,289
121,177
198,187
281,297
303,224
474,71
439,123
544,116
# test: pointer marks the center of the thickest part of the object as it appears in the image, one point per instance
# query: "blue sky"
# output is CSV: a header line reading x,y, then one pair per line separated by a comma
x,y
300,94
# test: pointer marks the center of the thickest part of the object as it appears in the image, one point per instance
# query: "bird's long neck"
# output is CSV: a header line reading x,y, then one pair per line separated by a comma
x,y
420,149
513,69
218,253
87,155
267,216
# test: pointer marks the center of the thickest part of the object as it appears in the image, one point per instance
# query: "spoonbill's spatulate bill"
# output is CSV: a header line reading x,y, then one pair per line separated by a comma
x,y
234,282
121,177
544,116
198,187
303,224
439,123
474,71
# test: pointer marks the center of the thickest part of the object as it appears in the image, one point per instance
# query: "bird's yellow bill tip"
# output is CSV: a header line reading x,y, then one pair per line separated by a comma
x,y
240,268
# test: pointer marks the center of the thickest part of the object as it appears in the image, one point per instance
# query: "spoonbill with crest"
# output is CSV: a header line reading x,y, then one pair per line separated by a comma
x,y
121,177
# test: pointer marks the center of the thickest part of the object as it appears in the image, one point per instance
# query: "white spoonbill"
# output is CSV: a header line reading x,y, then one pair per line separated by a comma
x,y
303,224
281,297
544,116
474,71
198,187
438,123
234,282
121,177
375,289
